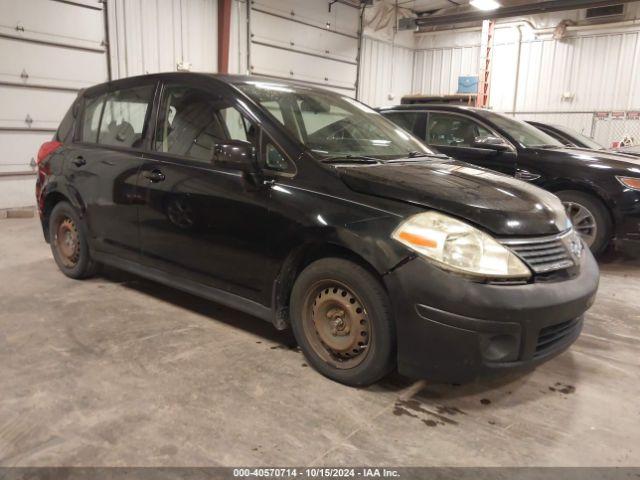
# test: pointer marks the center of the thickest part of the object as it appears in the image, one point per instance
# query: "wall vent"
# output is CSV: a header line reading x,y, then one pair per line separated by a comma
x,y
603,12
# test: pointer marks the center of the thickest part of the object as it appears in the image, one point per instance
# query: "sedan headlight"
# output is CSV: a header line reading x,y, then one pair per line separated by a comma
x,y
630,182
459,247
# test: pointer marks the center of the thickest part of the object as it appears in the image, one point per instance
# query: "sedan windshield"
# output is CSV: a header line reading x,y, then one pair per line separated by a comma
x,y
588,141
526,135
333,125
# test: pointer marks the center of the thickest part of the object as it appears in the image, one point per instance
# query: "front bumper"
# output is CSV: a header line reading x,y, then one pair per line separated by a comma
x,y
453,329
627,218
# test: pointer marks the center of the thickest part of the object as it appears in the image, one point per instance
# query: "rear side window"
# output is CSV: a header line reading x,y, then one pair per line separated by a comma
x,y
118,118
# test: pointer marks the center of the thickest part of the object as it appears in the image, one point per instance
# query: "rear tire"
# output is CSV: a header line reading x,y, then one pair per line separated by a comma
x,y
590,218
68,242
341,318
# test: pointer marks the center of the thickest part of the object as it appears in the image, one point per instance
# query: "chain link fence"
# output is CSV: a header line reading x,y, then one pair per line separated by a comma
x,y
611,129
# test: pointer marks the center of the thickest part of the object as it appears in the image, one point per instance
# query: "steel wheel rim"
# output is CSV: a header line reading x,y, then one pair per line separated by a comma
x,y
336,324
584,222
67,242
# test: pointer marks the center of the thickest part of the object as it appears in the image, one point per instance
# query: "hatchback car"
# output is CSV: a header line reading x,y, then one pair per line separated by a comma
x,y
600,190
310,210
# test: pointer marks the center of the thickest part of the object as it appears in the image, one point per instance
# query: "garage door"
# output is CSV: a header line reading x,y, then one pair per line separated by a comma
x,y
50,49
302,40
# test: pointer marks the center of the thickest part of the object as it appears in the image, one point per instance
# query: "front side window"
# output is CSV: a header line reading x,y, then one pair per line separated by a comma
x,y
193,121
448,130
332,125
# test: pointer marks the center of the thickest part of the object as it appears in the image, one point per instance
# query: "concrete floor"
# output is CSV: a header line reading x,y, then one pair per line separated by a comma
x,y
121,371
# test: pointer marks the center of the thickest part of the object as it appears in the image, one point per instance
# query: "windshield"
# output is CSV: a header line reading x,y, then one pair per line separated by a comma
x,y
526,135
588,141
333,125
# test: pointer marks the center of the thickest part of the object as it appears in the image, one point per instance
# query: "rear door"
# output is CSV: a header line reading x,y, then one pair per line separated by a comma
x,y
103,164
454,135
199,220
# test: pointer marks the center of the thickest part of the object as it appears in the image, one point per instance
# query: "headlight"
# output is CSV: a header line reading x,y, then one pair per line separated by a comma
x,y
459,247
630,182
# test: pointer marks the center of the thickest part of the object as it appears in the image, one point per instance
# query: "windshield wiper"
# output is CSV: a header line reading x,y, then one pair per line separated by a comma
x,y
351,159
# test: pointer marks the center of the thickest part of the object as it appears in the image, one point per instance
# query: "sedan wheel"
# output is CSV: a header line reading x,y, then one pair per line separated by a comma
x,y
583,221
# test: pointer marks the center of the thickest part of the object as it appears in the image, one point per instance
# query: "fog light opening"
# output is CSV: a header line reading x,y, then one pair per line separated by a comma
x,y
500,348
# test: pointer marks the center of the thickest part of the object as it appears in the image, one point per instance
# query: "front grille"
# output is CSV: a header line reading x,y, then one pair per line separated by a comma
x,y
554,334
543,254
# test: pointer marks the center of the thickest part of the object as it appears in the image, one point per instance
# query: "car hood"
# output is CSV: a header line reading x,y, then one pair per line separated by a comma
x,y
595,158
496,202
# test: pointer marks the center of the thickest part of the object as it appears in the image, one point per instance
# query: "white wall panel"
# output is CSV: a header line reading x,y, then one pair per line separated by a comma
x,y
298,66
385,72
44,107
77,27
437,70
50,65
49,50
302,40
238,38
149,36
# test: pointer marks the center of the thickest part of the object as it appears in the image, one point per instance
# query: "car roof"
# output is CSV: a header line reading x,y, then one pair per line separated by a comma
x,y
433,106
230,79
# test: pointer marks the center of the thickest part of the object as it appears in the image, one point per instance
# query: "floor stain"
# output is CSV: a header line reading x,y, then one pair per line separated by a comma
x,y
414,408
562,388
485,401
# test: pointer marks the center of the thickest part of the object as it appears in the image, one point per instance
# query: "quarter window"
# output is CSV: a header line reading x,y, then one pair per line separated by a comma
x,y
192,121
454,130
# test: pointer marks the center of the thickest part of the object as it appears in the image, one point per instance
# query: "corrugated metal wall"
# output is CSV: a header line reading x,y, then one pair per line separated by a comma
x,y
386,72
148,36
560,81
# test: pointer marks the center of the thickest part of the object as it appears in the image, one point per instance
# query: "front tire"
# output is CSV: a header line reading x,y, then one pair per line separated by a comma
x,y
590,218
341,318
69,243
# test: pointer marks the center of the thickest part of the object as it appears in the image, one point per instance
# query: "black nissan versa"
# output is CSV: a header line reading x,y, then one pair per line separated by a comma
x,y
600,190
308,209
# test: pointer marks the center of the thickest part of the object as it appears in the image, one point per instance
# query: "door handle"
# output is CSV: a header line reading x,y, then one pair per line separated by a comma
x,y
79,161
154,175
526,175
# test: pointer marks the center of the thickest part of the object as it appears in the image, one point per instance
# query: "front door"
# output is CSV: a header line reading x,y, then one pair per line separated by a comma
x,y
199,220
455,135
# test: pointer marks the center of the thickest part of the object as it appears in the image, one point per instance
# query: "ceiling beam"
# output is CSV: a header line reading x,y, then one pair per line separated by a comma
x,y
475,15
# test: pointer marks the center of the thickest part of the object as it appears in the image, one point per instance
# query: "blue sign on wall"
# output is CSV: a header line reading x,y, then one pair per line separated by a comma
x,y
467,84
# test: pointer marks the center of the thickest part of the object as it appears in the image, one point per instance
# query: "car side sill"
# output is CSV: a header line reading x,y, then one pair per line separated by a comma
x,y
210,293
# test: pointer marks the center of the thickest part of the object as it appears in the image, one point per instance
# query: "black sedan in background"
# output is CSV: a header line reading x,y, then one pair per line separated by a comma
x,y
600,190
567,136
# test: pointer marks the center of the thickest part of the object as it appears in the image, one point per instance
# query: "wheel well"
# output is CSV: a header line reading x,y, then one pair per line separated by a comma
x,y
589,191
50,202
296,262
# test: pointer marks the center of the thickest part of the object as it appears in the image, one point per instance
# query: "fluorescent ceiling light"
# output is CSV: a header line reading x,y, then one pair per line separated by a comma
x,y
485,4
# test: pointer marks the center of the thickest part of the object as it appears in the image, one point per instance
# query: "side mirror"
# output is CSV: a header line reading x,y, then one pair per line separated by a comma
x,y
492,143
235,155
